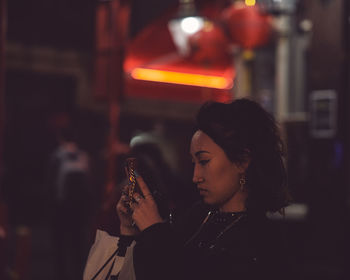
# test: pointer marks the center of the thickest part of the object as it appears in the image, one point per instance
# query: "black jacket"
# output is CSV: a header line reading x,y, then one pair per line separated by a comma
x,y
250,249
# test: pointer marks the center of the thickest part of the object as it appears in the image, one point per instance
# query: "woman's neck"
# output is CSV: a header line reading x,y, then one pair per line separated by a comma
x,y
235,204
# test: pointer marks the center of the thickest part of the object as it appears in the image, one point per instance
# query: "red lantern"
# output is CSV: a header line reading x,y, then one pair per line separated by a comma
x,y
209,45
248,27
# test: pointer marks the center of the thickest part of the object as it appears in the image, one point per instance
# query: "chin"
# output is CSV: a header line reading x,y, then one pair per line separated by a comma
x,y
209,201
212,202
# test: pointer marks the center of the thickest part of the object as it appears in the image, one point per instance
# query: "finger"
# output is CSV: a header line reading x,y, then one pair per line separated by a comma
x,y
149,195
121,208
124,210
125,189
124,200
143,187
133,206
124,197
137,197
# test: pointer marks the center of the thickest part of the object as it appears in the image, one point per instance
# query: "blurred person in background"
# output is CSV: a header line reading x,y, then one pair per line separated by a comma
x,y
150,151
237,154
71,212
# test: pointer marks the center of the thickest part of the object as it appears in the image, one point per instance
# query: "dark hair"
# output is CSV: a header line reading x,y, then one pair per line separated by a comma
x,y
243,129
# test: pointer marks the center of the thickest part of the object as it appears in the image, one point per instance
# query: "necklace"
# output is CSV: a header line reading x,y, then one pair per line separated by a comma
x,y
237,216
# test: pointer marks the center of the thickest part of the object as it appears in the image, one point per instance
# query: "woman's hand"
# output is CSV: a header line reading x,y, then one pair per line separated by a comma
x,y
145,211
124,213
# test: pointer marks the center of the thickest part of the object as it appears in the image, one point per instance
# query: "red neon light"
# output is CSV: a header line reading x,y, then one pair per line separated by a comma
x,y
181,78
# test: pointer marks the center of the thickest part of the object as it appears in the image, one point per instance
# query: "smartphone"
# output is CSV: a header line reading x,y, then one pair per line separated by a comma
x,y
130,168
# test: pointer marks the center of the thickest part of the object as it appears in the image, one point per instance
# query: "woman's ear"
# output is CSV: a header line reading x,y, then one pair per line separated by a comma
x,y
244,163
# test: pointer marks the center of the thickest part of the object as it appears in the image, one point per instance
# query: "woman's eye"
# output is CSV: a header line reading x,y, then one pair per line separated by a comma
x,y
203,162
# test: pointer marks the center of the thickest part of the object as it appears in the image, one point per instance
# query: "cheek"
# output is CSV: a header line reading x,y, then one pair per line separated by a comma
x,y
225,177
223,184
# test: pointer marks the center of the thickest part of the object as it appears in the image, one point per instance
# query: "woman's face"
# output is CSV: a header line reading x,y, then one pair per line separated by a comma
x,y
217,178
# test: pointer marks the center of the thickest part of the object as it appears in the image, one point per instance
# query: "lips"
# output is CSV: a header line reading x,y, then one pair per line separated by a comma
x,y
202,191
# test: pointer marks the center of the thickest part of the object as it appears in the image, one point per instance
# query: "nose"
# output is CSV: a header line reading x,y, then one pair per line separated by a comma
x,y
197,177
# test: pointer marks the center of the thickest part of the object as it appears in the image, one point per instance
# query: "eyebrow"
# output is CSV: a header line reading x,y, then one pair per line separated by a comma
x,y
201,152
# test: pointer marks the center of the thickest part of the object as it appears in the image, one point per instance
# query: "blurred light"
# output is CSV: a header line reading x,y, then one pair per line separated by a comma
x,y
250,2
191,25
186,23
181,29
306,25
294,211
279,6
181,78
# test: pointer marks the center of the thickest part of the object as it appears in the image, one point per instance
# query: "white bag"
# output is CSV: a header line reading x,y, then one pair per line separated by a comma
x,y
103,259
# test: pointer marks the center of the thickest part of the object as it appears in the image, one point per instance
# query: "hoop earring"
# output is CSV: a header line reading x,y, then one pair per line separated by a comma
x,y
242,182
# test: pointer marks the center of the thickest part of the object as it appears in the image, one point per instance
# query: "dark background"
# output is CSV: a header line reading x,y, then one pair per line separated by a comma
x,y
318,168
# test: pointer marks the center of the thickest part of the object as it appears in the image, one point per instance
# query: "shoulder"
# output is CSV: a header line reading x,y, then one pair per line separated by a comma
x,y
265,233
270,242
254,235
255,247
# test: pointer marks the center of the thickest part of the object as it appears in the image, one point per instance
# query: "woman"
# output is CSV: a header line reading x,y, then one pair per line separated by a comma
x,y
238,169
